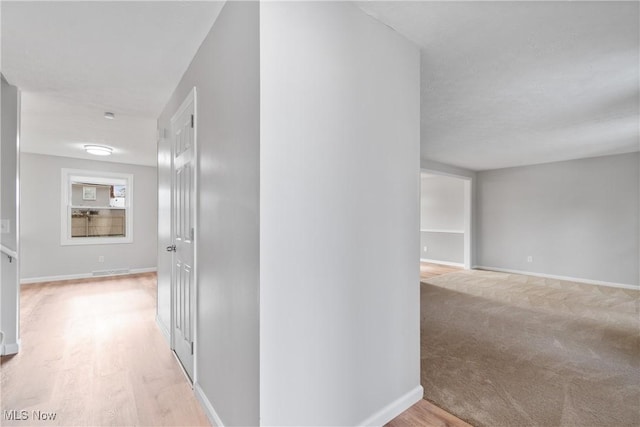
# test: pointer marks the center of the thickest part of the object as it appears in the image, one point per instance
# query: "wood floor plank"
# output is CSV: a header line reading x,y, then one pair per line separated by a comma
x,y
425,413
92,353
428,270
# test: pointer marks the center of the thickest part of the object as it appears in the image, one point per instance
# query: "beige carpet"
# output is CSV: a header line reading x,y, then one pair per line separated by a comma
x,y
511,350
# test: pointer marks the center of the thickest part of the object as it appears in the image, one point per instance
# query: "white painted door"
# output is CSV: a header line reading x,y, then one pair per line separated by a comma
x,y
183,217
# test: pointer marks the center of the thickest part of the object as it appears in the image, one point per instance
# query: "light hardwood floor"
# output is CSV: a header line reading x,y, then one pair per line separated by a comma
x,y
428,270
425,413
92,354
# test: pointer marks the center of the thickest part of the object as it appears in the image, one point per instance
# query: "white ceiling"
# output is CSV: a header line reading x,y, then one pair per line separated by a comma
x,y
514,83
61,127
503,83
75,60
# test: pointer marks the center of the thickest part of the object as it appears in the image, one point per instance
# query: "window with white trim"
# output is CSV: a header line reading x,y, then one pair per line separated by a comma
x,y
97,207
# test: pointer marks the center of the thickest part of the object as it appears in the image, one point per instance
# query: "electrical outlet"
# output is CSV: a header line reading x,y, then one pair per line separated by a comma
x,y
4,226
529,258
101,258
424,249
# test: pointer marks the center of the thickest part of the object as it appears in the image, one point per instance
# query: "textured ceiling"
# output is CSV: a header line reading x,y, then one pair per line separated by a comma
x,y
75,60
503,83
61,128
513,83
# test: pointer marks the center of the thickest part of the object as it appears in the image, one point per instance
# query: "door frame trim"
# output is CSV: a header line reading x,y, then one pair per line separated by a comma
x,y
190,98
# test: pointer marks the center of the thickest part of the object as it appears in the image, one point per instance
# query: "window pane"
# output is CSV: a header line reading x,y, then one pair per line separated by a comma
x,y
97,207
91,222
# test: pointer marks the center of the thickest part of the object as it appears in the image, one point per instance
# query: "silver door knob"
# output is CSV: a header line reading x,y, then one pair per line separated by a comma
x,y
171,248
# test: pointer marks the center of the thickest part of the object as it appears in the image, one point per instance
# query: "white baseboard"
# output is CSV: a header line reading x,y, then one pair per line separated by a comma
x,y
435,261
553,276
207,406
11,348
31,280
164,330
394,408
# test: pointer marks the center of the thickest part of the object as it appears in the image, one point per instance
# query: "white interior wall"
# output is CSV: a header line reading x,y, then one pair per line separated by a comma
x,y
225,72
42,256
9,208
339,175
576,219
441,202
442,247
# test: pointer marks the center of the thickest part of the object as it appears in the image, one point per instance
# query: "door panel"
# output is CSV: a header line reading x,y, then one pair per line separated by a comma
x,y
183,283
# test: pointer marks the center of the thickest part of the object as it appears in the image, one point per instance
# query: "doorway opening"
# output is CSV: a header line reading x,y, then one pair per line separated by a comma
x,y
445,219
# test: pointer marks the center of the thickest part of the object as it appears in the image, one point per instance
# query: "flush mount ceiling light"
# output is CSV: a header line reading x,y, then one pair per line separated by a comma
x,y
98,150
109,115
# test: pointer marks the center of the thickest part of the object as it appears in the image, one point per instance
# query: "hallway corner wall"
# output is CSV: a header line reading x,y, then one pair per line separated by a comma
x,y
226,74
9,214
339,217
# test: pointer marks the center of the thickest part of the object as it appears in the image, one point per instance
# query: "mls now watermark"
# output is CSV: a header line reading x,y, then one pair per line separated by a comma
x,y
15,415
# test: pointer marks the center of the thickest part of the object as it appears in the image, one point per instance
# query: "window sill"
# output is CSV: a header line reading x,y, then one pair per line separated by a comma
x,y
73,241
